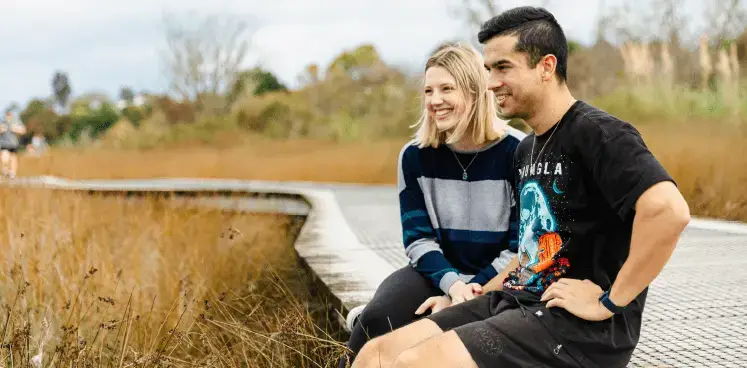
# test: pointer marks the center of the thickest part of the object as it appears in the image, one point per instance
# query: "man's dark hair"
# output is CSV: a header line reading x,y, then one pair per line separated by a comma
x,y
539,35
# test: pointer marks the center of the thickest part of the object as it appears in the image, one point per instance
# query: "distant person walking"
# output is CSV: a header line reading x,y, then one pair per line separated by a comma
x,y
10,129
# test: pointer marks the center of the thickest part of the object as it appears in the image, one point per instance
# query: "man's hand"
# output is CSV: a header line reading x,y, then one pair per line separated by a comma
x,y
436,303
460,292
496,283
581,298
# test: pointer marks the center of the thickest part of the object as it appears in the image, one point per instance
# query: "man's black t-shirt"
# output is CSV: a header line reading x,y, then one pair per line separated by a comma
x,y
577,186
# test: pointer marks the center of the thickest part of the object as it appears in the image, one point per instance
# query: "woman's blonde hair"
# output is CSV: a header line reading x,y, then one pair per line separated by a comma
x,y
465,64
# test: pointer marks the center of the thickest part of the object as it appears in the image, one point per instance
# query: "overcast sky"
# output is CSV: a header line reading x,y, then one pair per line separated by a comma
x,y
104,44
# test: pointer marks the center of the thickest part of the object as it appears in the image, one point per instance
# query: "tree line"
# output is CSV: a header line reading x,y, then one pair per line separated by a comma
x,y
361,96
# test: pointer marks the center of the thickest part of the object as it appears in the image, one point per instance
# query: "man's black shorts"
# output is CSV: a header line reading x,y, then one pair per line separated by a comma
x,y
503,329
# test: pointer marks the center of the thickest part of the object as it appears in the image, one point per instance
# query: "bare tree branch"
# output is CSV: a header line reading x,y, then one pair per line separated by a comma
x,y
476,12
625,22
673,19
726,18
491,7
204,58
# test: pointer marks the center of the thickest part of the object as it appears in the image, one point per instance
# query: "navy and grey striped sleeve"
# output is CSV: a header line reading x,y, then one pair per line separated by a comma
x,y
418,234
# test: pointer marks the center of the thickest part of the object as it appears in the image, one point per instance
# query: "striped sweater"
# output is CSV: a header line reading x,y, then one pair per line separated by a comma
x,y
455,229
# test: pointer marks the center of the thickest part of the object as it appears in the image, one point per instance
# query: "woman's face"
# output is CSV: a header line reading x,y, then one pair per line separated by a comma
x,y
445,103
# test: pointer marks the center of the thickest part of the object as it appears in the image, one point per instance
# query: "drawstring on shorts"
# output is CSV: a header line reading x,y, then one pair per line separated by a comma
x,y
519,304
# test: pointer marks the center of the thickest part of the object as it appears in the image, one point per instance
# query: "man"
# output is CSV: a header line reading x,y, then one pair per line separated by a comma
x,y
599,218
10,129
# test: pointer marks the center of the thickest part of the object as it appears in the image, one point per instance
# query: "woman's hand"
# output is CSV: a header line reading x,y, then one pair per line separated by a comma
x,y
436,303
460,292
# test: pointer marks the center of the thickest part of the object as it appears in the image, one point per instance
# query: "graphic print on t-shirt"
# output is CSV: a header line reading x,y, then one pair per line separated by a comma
x,y
539,228
537,223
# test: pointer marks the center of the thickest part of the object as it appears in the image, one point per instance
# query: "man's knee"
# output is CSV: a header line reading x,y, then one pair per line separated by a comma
x,y
444,350
408,359
370,352
390,345
384,348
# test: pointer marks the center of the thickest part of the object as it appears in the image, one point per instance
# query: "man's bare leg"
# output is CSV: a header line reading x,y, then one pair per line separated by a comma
x,y
5,159
445,350
381,352
13,165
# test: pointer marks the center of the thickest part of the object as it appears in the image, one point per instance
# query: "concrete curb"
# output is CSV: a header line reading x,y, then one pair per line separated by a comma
x,y
732,227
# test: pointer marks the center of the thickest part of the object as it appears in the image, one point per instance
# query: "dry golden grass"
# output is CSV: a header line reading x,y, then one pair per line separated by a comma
x,y
707,160
106,281
374,163
709,164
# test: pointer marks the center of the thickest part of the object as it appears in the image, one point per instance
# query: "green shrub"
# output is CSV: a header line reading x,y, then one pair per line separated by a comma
x,y
94,123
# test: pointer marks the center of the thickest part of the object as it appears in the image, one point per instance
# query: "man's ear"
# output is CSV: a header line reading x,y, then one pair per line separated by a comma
x,y
547,65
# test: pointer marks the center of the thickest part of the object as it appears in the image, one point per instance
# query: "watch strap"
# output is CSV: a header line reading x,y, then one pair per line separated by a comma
x,y
607,303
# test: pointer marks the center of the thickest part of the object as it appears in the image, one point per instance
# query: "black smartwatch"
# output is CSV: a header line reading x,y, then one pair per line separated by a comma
x,y
607,303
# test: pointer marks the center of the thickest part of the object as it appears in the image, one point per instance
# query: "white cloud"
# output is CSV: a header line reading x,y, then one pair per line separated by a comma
x,y
286,48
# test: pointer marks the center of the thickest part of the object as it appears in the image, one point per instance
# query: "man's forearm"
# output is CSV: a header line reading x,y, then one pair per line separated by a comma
x,y
496,283
653,240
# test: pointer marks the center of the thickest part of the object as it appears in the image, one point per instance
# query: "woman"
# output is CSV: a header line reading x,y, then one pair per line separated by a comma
x,y
456,199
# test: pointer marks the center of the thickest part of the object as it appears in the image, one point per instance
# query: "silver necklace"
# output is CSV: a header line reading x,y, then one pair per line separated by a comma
x,y
531,158
464,170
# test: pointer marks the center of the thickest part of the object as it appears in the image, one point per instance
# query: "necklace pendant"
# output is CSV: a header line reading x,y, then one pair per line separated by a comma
x,y
464,176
